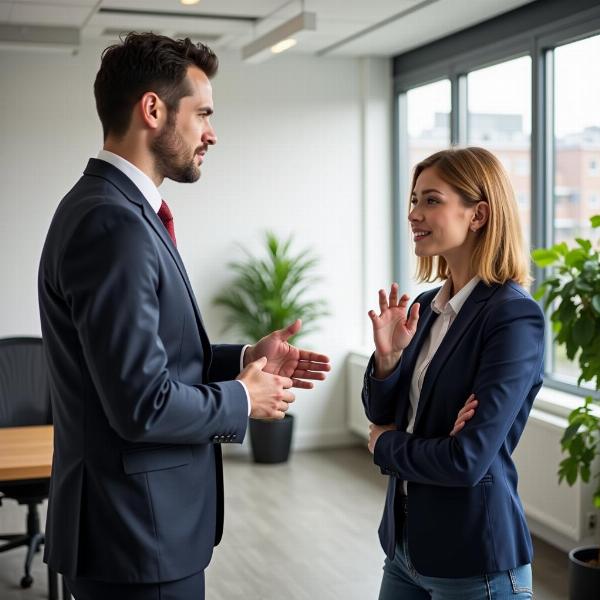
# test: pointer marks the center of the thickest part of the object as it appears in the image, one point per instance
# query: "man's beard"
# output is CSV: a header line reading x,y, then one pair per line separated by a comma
x,y
171,154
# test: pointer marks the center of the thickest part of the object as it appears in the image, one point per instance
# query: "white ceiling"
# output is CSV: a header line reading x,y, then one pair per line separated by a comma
x,y
344,27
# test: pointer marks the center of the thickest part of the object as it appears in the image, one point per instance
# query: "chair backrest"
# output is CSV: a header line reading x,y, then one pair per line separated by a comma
x,y
24,391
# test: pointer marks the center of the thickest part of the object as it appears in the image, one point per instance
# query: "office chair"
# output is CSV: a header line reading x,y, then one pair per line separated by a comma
x,y
24,400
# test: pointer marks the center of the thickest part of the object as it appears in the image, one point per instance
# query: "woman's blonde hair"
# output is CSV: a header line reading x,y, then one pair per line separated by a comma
x,y
477,175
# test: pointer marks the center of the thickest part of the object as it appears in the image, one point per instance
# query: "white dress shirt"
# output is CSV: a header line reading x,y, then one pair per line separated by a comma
x,y
447,308
154,197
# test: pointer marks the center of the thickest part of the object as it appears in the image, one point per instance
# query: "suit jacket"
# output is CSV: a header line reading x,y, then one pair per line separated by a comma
x,y
140,399
465,517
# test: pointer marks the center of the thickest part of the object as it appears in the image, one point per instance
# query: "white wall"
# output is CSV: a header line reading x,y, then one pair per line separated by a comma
x,y
297,153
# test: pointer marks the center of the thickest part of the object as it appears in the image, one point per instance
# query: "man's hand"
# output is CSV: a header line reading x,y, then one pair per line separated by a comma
x,y
288,361
269,395
466,413
375,431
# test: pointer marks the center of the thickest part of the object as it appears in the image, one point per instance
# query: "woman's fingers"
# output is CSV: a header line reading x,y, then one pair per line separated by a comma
x,y
383,301
466,413
413,318
457,428
393,301
469,406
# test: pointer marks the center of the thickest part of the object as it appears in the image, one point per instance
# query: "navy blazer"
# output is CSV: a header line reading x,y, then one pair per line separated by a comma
x,y
465,517
136,489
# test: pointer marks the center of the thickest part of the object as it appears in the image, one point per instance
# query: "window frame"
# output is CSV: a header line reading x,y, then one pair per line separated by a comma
x,y
554,28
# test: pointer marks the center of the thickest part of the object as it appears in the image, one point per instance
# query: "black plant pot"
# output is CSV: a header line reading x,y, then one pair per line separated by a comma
x,y
584,579
271,440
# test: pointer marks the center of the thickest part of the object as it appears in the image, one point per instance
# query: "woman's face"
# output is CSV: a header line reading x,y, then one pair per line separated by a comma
x,y
439,219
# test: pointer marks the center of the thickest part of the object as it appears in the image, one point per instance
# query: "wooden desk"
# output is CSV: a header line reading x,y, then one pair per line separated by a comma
x,y
25,452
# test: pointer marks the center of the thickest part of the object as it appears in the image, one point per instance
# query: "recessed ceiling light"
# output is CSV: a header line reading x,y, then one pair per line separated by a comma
x,y
283,45
189,2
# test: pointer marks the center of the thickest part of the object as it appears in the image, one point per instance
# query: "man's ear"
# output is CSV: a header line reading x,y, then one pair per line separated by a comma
x,y
480,216
152,110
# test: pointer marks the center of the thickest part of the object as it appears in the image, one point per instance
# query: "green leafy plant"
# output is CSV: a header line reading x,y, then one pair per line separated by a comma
x,y
269,293
573,292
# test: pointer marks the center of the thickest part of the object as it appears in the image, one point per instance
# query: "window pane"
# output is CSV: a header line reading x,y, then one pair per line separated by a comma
x,y
499,119
576,152
428,126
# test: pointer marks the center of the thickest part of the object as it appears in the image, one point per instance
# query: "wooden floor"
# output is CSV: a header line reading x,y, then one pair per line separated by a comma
x,y
305,530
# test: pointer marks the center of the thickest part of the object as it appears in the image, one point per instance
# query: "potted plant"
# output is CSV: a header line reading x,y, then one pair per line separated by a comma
x,y
573,291
266,294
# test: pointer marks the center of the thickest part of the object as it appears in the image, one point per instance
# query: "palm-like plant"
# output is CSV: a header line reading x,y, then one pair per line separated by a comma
x,y
269,293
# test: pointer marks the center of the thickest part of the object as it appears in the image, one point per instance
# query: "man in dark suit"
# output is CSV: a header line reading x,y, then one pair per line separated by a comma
x,y
141,400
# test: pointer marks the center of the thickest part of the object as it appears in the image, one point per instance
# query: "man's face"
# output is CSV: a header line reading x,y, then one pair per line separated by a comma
x,y
181,145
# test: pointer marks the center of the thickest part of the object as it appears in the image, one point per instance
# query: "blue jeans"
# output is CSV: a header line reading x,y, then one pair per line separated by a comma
x,y
402,582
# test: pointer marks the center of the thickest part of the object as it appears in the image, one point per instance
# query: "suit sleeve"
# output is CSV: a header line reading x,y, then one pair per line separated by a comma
x,y
510,366
225,365
109,275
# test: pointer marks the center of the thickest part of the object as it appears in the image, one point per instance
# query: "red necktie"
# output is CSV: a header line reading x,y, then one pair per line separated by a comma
x,y
165,215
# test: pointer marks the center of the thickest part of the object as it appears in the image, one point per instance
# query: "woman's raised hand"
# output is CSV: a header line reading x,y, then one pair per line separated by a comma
x,y
393,329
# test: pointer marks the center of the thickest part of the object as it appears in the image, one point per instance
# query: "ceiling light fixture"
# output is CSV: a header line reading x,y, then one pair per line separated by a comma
x,y
279,39
283,45
189,2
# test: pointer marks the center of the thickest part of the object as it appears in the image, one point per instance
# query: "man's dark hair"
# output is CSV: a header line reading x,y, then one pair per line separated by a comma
x,y
146,62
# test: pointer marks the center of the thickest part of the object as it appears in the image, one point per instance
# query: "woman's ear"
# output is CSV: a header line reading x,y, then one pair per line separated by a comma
x,y
480,216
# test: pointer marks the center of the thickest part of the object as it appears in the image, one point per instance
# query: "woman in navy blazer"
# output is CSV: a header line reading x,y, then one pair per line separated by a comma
x,y
453,524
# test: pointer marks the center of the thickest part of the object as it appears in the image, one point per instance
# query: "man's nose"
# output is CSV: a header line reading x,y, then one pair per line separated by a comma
x,y
210,137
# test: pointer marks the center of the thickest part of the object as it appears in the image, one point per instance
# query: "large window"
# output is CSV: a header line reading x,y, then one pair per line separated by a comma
x,y
576,175
427,125
532,97
499,119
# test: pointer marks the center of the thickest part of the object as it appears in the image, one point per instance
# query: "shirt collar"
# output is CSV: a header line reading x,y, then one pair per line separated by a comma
x,y
442,303
138,177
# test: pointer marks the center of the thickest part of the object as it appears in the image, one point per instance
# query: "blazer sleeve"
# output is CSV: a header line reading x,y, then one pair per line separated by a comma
x,y
379,396
510,367
226,362
109,275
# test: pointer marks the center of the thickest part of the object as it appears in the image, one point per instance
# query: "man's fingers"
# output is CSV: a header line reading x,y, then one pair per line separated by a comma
x,y
288,397
302,374
290,330
301,384
309,365
259,364
285,382
314,357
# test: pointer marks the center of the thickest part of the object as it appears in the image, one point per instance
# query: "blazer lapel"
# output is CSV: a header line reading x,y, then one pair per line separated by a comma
x,y
131,191
469,311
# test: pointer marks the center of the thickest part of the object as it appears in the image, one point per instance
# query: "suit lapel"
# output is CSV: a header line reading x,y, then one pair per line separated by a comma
x,y
473,305
107,171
